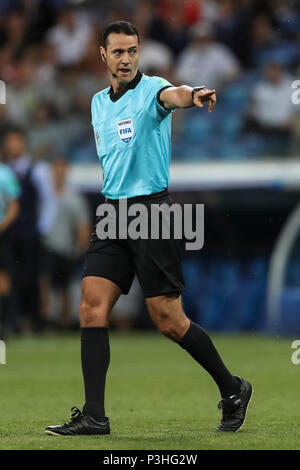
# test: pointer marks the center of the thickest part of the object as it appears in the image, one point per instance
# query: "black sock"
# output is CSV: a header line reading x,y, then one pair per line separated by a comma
x,y
95,356
199,345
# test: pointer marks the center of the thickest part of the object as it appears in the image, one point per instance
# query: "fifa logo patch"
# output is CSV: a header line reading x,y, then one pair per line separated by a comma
x,y
125,130
97,138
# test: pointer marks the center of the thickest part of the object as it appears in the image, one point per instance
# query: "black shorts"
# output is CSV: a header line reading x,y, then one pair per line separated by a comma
x,y
156,262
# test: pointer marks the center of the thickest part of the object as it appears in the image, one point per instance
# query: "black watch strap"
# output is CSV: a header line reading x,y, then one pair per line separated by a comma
x,y
197,88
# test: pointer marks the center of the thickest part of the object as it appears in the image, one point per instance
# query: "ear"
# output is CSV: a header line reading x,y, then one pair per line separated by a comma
x,y
103,55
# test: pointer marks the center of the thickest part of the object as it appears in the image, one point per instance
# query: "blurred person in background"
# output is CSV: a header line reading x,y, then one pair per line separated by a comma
x,y
34,221
70,36
231,23
206,60
271,110
266,40
227,22
13,33
46,67
22,95
286,16
157,57
45,132
65,242
170,22
9,209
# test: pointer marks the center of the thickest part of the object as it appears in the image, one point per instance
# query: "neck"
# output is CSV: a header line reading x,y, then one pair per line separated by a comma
x,y
119,86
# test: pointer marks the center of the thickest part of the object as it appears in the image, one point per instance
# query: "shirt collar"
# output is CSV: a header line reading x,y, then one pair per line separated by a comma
x,y
130,86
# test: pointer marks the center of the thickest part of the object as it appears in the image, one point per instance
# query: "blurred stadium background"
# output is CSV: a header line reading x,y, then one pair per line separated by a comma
x,y
241,161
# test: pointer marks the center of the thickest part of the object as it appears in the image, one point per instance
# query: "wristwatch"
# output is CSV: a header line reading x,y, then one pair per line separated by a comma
x,y
197,88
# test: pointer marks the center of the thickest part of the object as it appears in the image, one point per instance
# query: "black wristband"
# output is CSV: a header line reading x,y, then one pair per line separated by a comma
x,y
197,88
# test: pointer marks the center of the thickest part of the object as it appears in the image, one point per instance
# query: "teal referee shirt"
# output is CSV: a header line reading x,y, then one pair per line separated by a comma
x,y
133,138
9,188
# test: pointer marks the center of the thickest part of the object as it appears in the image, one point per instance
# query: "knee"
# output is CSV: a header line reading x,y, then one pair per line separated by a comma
x,y
172,328
168,330
93,312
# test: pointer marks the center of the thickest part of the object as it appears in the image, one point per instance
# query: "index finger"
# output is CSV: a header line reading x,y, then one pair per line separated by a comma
x,y
207,92
212,103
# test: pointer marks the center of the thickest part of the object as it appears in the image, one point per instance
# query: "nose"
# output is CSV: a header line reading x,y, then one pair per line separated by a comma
x,y
125,58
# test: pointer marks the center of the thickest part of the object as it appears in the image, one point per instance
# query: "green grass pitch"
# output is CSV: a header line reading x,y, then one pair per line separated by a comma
x,y
157,396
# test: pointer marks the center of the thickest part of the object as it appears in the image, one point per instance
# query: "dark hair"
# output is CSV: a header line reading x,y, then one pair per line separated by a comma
x,y
15,129
119,27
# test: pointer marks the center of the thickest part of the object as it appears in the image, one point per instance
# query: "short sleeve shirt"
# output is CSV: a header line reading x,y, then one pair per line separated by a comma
x,y
133,138
9,188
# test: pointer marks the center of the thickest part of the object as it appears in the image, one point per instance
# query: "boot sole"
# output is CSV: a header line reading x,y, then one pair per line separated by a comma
x,y
52,433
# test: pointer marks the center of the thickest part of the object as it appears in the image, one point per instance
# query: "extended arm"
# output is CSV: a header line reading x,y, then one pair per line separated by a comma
x,y
181,97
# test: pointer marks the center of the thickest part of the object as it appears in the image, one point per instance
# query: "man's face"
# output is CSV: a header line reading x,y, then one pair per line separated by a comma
x,y
14,145
273,73
122,56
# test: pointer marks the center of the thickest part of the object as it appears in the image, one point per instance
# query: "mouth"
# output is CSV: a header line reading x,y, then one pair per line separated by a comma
x,y
124,71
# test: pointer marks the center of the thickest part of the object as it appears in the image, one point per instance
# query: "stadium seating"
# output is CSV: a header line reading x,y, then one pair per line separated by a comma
x,y
226,295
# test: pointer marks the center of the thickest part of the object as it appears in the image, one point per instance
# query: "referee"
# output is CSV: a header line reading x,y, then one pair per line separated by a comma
x,y
132,126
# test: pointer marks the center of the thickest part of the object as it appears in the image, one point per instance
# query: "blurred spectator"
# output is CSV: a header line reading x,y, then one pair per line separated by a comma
x,y
266,43
34,221
9,208
70,37
287,17
65,242
156,57
22,96
90,62
13,34
232,25
46,67
262,37
170,22
205,61
45,132
227,22
271,111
